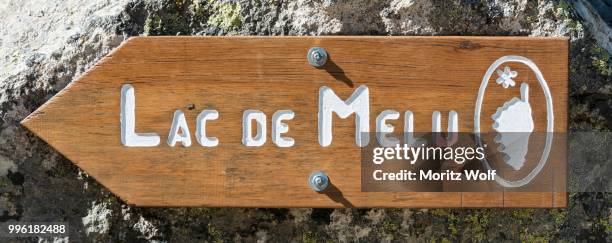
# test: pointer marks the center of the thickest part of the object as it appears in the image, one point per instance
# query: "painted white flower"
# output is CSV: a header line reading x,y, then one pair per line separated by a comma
x,y
505,77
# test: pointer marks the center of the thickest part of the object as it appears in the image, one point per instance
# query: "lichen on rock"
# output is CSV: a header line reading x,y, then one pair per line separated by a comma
x,y
97,219
225,15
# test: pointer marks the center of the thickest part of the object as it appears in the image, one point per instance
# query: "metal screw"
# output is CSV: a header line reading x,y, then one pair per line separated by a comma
x,y
318,181
317,56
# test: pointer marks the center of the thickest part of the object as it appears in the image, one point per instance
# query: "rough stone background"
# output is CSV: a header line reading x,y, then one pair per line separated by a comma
x,y
44,45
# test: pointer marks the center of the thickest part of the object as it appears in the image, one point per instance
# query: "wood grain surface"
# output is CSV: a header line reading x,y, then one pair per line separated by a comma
x,y
233,74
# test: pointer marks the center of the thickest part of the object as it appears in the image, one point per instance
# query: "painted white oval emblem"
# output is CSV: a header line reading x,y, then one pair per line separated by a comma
x,y
549,110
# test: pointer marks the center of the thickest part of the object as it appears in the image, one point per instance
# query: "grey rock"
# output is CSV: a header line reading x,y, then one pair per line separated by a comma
x,y
44,45
597,15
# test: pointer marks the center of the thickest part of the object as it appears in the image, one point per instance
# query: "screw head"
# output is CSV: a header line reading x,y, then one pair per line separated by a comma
x,y
317,56
318,181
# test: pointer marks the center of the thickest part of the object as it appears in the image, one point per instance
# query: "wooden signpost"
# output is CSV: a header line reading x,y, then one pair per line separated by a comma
x,y
244,121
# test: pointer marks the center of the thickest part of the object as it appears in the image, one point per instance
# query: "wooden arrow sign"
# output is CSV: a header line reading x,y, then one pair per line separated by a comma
x,y
244,121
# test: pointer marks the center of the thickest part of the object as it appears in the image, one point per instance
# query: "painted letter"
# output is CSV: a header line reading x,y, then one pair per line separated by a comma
x,y
409,131
206,115
358,103
129,137
453,128
278,127
260,120
382,128
179,122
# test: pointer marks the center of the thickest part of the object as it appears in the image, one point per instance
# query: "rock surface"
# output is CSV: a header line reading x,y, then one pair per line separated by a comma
x,y
46,44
